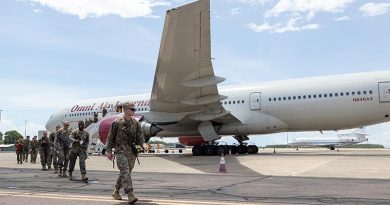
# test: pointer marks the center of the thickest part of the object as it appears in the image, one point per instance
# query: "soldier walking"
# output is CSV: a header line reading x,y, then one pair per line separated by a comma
x,y
34,149
61,145
26,148
125,133
19,150
52,153
44,150
79,140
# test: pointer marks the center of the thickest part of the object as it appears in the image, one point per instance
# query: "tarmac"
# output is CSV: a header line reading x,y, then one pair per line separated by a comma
x,y
305,176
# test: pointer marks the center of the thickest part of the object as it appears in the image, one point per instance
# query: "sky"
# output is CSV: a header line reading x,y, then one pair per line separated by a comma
x,y
55,53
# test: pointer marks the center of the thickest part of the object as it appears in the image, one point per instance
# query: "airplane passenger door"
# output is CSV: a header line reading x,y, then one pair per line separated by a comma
x,y
255,101
65,115
384,92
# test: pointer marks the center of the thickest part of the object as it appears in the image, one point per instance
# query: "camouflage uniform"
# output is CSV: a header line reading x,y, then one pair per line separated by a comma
x,y
122,134
79,141
52,153
44,151
34,150
26,149
61,144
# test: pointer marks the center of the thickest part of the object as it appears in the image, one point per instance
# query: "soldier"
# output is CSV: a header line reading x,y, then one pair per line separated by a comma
x,y
95,117
79,140
44,150
34,149
61,145
19,150
124,134
104,112
26,148
52,153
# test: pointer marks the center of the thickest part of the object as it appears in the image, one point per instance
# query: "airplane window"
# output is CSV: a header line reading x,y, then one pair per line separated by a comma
x,y
309,96
294,97
304,97
242,101
284,98
225,102
269,99
279,98
274,99
358,92
347,93
341,94
234,102
238,102
299,97
230,102
336,94
370,92
289,97
364,92
320,95
353,93
314,96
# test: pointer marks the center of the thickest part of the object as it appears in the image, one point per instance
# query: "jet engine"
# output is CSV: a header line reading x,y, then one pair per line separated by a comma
x,y
149,130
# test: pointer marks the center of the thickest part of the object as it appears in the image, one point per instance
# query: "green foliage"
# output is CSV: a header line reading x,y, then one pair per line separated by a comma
x,y
10,137
1,138
278,146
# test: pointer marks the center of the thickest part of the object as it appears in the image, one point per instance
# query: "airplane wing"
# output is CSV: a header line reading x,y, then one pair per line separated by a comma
x,y
184,84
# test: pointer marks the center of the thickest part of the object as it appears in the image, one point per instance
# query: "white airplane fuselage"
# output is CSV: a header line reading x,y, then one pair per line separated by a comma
x,y
306,104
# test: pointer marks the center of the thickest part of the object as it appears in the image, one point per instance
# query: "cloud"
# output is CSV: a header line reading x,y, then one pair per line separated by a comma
x,y
291,25
235,11
310,7
37,11
297,15
254,2
98,8
344,18
375,9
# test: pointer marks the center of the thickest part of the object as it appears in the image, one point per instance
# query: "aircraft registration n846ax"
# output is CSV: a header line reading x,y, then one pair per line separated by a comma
x,y
187,103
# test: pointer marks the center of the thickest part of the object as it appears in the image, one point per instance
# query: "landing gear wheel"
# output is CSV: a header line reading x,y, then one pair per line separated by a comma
x,y
242,149
209,150
221,150
197,150
252,149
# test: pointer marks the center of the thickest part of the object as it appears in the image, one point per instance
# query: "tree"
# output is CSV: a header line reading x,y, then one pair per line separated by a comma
x,y
10,137
1,138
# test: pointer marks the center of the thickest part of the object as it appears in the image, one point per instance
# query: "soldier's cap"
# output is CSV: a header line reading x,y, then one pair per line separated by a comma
x,y
66,123
128,105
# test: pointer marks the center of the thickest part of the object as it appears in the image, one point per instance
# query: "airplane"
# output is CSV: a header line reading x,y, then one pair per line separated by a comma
x,y
357,136
187,102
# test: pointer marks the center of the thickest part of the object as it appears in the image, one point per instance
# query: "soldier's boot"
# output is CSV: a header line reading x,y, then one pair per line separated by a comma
x,y
116,194
131,198
84,177
56,170
64,173
49,167
43,167
60,172
70,176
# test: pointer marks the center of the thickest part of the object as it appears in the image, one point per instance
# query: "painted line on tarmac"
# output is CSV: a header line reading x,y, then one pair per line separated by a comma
x,y
109,199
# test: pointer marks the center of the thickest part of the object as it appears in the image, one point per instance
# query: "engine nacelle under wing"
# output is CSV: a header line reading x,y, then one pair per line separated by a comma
x,y
149,130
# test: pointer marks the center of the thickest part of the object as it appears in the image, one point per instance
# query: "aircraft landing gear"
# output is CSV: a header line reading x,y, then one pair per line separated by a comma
x,y
212,149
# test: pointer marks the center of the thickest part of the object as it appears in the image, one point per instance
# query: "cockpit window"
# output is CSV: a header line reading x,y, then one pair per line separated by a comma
x,y
51,116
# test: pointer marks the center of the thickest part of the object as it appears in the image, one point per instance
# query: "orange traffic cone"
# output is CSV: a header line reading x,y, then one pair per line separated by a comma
x,y
222,165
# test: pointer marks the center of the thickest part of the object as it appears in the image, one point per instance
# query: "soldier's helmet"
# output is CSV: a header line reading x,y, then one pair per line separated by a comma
x,y
81,123
58,127
128,105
